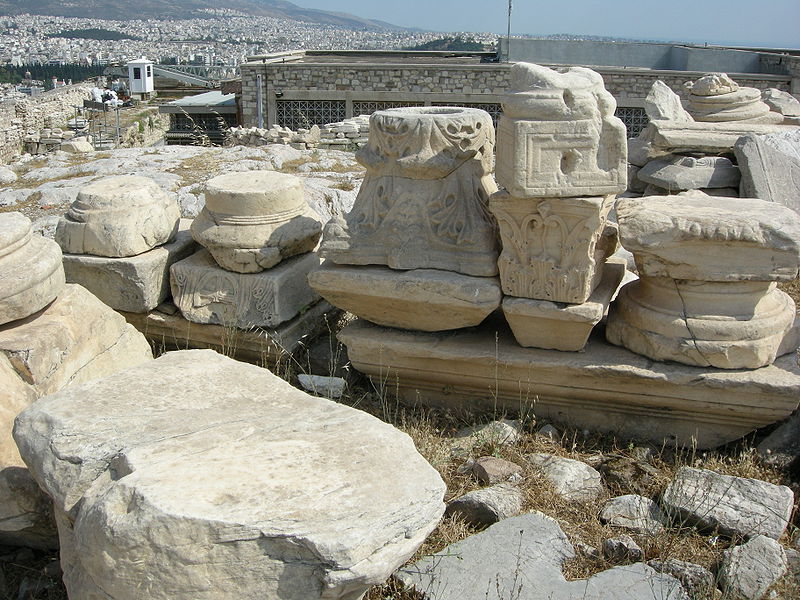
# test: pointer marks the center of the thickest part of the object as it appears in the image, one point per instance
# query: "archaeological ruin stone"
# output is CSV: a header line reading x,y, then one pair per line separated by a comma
x,y
677,173
635,513
135,283
706,293
31,273
526,558
558,136
571,479
117,217
662,104
487,505
422,299
665,137
251,221
283,507
206,293
717,98
731,506
559,326
603,388
554,248
747,571
770,166
781,102
422,204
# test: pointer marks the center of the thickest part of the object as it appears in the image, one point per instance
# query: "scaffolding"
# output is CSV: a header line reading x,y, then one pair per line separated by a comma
x,y
93,118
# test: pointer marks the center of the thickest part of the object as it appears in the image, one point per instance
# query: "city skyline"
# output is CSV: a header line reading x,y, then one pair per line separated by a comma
x,y
771,23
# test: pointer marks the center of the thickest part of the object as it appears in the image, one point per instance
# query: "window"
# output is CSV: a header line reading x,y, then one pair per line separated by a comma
x,y
137,73
149,71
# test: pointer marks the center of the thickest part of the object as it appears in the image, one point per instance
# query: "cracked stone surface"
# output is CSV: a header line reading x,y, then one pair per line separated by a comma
x,y
199,477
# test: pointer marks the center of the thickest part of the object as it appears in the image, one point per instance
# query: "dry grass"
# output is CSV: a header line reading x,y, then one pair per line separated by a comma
x,y
793,289
198,168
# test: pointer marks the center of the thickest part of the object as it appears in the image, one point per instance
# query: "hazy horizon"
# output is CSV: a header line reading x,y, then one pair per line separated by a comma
x,y
770,23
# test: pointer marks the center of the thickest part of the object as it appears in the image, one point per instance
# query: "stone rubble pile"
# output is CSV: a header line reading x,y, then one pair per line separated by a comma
x,y
418,256
52,335
347,133
301,139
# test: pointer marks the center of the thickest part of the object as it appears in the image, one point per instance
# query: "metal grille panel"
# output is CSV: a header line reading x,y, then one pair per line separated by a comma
x,y
635,119
297,114
369,107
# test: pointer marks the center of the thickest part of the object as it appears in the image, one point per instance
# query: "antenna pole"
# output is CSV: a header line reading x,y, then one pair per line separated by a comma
x,y
508,36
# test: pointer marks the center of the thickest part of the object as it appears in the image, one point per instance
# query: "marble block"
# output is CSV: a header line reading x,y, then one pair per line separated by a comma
x,y
422,204
604,388
717,98
118,216
253,220
197,477
558,135
206,293
676,173
553,248
663,137
770,166
136,283
31,274
421,299
559,326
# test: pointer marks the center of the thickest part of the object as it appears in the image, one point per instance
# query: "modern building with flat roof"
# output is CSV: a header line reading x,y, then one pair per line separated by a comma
x,y
304,88
201,118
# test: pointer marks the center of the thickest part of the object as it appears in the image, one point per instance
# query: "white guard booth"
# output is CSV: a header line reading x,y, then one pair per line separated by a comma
x,y
140,78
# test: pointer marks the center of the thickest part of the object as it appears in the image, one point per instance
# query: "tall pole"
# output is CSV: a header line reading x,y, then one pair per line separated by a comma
x,y
508,36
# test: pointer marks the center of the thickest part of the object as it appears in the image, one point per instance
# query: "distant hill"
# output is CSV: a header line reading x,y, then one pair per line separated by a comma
x,y
452,44
183,9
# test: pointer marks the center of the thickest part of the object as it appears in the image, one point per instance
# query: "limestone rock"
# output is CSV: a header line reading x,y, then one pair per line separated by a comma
x,y
571,479
79,146
250,222
782,446
698,581
545,324
490,470
7,176
729,505
118,216
622,549
604,388
527,553
134,284
781,102
665,137
75,339
423,202
558,135
633,512
487,505
628,475
31,274
553,248
206,293
676,173
770,167
119,456
327,387
662,103
747,571
494,433
421,299
704,238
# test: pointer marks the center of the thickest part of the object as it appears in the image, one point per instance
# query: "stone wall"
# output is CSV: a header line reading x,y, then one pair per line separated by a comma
x,y
333,91
51,108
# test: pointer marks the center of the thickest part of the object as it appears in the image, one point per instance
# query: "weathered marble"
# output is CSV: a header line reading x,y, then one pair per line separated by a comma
x,y
770,166
558,135
206,293
31,274
781,102
558,326
717,98
677,173
118,216
706,294
553,248
664,137
603,388
421,299
662,104
423,202
251,221
135,283
196,477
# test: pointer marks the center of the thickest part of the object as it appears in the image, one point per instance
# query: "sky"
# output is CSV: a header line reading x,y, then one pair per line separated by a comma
x,y
770,23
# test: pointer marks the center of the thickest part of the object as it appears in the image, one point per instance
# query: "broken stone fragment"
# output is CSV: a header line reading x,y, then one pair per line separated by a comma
x,y
118,216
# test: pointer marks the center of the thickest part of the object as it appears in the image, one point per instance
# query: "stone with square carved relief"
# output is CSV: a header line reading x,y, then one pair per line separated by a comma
x,y
206,293
423,201
553,248
558,135
707,295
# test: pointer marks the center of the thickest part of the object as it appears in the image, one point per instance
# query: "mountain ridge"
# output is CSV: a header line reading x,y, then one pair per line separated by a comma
x,y
185,9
